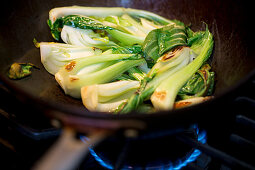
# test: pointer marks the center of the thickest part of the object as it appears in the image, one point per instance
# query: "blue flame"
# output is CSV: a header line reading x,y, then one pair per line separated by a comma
x,y
201,137
97,158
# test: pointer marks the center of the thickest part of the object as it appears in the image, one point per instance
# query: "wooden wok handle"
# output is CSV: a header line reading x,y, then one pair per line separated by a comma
x,y
68,152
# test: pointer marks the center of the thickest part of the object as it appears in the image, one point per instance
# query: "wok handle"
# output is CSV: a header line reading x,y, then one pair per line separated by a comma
x,y
68,152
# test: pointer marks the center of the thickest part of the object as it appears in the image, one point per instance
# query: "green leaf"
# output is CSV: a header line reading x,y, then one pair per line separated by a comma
x,y
137,98
133,73
136,49
193,36
56,28
200,84
164,39
83,22
150,46
136,73
118,21
76,21
196,40
177,22
124,77
125,38
146,108
20,70
170,37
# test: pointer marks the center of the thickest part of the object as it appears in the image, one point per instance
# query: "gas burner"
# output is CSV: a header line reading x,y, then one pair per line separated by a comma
x,y
165,152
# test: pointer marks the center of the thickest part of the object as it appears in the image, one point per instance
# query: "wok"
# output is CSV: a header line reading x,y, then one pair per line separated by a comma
x,y
233,60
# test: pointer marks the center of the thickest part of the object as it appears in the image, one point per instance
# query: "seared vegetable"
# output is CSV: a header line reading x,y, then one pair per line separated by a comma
x,y
127,26
165,67
121,59
94,70
190,102
20,70
156,43
87,23
164,96
107,97
56,55
169,74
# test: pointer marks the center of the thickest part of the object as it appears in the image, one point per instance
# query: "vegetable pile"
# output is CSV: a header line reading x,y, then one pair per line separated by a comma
x,y
120,59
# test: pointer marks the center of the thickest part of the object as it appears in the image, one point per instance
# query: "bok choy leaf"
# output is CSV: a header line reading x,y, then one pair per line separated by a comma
x,y
164,39
85,37
76,21
200,84
20,70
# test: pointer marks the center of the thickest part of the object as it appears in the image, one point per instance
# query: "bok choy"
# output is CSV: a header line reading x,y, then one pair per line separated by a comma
x,y
125,26
164,68
121,59
107,97
91,70
56,55
165,94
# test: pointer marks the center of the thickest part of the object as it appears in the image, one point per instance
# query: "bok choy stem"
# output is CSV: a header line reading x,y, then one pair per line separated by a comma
x,y
164,96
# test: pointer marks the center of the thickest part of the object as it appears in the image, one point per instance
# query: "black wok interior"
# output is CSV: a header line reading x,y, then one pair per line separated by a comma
x,y
22,21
